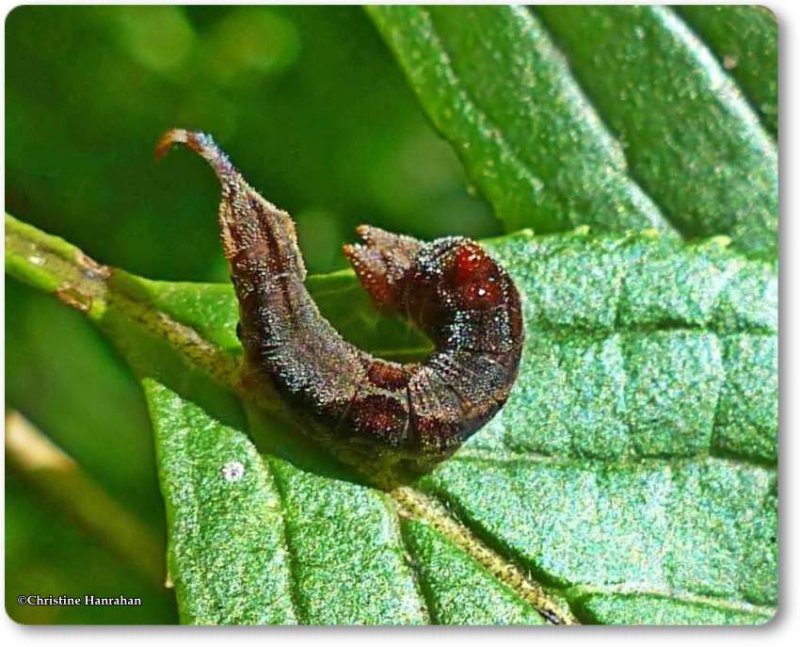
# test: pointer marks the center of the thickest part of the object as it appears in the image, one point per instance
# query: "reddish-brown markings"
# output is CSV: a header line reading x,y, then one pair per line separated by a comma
x,y
451,288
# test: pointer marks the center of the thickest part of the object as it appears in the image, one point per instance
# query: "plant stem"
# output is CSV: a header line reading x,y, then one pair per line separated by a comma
x,y
60,479
51,264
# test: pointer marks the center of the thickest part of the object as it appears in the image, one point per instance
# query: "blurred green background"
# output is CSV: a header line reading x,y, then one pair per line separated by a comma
x,y
312,108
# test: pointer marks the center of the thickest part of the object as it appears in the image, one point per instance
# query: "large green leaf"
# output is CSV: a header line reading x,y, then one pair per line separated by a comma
x,y
627,480
745,40
494,85
631,477
692,140
633,121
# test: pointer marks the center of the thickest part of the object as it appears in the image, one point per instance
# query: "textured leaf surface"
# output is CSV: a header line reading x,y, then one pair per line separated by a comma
x,y
227,554
622,473
492,82
692,140
530,122
627,480
745,41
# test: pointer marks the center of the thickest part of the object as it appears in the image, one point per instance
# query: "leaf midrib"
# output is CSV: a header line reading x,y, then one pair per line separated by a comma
x,y
198,352
188,342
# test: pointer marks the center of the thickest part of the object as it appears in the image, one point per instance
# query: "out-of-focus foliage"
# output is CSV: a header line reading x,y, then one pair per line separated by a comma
x,y
319,119
307,99
47,554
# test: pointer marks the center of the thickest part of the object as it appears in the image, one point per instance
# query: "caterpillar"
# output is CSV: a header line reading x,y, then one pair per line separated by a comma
x,y
451,289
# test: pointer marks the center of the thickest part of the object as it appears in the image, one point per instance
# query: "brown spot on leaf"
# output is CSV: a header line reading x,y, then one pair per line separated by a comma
x,y
74,298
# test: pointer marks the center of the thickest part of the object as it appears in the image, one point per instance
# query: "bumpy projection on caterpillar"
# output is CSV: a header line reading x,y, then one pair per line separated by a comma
x,y
450,288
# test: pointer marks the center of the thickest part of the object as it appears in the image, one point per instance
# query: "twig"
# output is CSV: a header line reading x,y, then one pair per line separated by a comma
x,y
60,479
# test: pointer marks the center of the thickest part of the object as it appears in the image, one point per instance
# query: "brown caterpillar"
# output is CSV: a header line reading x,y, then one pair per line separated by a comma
x,y
450,288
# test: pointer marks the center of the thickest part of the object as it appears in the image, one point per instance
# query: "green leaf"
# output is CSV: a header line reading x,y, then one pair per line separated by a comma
x,y
745,40
227,552
667,136
493,84
692,141
458,590
625,481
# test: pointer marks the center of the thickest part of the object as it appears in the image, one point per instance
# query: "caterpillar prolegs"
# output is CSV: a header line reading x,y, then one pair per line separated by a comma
x,y
450,288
